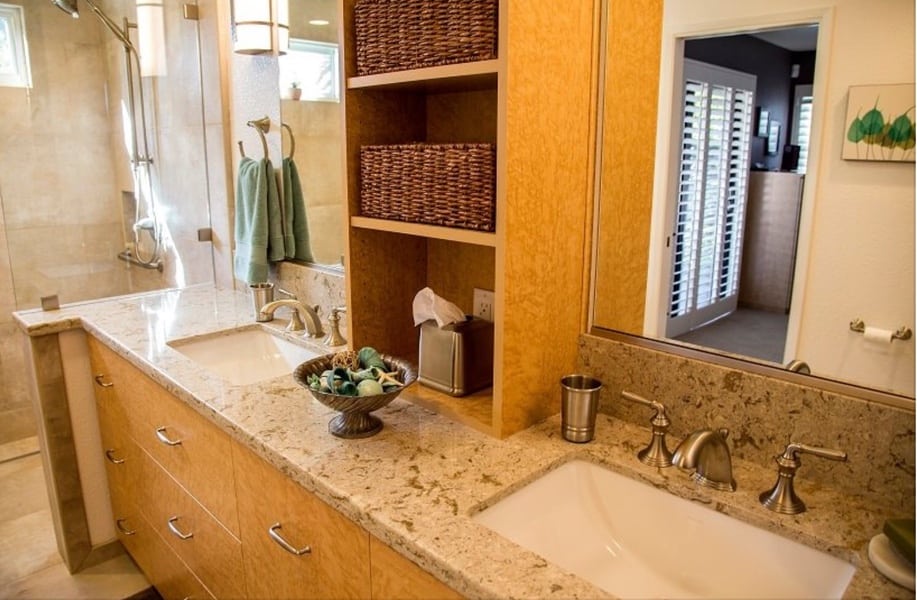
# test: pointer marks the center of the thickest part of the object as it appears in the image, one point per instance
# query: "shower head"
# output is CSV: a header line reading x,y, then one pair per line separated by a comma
x,y
68,6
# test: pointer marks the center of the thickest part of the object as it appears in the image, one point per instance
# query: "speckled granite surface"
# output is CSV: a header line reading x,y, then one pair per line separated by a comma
x,y
415,484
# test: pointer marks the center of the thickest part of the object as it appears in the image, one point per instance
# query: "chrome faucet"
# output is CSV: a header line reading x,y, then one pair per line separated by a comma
x,y
707,453
782,497
302,317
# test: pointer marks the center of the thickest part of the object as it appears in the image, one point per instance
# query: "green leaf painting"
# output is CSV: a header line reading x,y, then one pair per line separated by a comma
x,y
880,123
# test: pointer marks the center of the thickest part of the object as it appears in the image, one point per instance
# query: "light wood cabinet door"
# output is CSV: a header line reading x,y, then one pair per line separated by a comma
x,y
202,543
396,578
192,450
333,552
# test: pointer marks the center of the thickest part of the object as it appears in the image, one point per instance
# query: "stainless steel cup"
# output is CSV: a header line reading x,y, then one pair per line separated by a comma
x,y
262,293
579,401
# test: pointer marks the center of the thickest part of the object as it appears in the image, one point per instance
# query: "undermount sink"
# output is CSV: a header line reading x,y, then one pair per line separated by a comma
x,y
244,356
635,541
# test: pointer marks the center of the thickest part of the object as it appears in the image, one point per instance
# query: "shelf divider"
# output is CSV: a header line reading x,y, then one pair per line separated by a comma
x,y
466,236
466,76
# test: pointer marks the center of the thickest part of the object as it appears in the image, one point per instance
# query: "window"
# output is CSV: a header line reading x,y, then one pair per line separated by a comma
x,y
802,123
718,111
14,57
314,67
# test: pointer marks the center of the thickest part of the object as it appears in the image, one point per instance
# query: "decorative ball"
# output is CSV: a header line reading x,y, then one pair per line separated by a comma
x,y
369,387
348,359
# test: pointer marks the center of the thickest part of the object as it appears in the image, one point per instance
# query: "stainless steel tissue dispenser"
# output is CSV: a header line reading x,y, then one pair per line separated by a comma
x,y
457,359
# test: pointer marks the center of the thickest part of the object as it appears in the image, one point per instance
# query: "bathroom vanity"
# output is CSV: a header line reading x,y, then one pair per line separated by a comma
x,y
227,468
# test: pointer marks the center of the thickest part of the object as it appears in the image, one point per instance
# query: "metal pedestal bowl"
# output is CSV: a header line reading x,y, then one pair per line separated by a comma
x,y
354,419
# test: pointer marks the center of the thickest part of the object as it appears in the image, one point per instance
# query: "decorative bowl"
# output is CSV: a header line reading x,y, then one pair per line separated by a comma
x,y
355,420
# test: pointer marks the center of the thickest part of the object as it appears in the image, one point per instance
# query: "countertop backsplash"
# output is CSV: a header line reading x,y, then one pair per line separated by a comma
x,y
763,415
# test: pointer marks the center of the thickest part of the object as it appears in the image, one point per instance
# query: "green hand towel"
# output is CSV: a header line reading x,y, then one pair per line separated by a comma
x,y
292,188
276,250
287,205
251,222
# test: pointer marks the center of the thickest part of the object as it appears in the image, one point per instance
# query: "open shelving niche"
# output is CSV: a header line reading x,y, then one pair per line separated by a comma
x,y
390,261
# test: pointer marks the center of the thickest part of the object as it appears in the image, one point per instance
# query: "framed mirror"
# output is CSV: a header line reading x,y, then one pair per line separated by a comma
x,y
848,244
309,87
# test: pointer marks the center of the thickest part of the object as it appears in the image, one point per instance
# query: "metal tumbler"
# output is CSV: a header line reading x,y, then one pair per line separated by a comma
x,y
262,293
579,401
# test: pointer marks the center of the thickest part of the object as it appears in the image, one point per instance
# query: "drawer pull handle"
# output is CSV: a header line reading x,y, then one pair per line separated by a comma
x,y
122,528
101,383
109,454
272,531
178,533
161,434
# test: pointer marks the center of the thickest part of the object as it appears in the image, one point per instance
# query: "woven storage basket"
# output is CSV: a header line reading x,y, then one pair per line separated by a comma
x,y
395,35
435,184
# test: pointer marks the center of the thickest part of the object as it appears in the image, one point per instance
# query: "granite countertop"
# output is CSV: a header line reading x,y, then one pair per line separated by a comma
x,y
416,484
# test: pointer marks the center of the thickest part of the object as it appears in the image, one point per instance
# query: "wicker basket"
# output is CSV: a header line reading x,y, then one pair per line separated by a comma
x,y
354,420
395,35
435,184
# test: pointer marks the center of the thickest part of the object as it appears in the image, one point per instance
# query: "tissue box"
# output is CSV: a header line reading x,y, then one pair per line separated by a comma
x,y
459,358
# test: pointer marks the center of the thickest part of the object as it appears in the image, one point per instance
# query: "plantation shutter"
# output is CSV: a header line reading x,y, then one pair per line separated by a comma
x,y
712,188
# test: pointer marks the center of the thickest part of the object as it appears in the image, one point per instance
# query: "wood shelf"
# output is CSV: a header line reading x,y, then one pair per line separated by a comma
x,y
466,236
474,410
458,77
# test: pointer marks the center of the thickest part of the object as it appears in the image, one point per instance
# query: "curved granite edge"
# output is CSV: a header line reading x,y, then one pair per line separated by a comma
x,y
416,484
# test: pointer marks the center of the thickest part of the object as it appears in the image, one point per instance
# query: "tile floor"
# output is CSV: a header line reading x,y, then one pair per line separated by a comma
x,y
30,566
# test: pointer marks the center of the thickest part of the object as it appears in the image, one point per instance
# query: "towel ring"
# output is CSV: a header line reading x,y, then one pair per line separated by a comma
x,y
292,139
262,126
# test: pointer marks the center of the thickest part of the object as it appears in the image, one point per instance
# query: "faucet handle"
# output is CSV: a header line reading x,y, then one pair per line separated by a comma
x,y
782,497
289,295
335,338
655,454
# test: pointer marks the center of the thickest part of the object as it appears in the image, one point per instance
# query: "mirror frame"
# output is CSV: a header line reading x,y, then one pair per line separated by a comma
x,y
632,164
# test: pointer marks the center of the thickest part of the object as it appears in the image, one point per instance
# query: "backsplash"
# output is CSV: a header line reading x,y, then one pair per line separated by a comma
x,y
763,415
313,286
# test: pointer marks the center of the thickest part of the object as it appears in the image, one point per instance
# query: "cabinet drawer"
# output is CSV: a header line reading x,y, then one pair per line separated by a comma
x,y
192,450
209,549
122,460
396,578
337,562
168,574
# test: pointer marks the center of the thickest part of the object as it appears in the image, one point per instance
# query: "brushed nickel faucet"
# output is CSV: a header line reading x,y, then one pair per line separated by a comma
x,y
782,497
655,454
707,453
302,317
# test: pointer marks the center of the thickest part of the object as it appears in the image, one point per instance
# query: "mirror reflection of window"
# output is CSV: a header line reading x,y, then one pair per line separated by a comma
x,y
313,67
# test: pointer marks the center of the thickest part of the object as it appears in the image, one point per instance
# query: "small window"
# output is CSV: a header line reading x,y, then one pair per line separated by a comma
x,y
314,67
14,56
802,123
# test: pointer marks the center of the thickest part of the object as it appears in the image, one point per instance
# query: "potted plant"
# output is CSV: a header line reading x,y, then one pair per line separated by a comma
x,y
295,90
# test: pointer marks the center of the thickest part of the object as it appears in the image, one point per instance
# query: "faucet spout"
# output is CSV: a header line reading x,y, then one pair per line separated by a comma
x,y
303,317
706,452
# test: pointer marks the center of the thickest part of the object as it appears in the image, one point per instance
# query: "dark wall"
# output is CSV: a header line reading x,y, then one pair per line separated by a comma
x,y
771,64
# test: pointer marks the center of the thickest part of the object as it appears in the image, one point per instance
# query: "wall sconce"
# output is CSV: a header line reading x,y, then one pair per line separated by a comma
x,y
253,26
151,38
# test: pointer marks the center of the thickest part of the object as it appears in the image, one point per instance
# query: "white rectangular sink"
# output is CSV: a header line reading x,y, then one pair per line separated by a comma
x,y
244,356
635,541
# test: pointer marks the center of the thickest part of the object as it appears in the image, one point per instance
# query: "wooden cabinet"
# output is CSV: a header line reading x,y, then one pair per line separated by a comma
x,y
285,543
535,102
156,483
295,545
396,578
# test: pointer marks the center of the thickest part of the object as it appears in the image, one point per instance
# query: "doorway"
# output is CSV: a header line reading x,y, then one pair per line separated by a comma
x,y
720,253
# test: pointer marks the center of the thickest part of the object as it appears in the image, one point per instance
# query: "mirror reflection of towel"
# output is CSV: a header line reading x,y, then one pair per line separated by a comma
x,y
297,221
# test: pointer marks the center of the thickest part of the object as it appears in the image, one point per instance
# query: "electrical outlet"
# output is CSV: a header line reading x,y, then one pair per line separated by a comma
x,y
484,304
